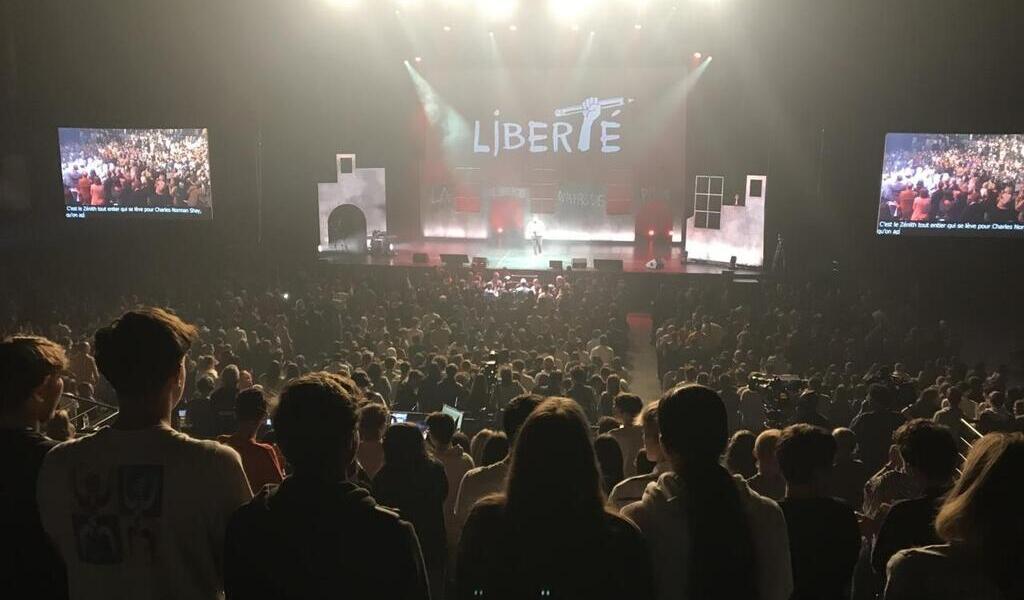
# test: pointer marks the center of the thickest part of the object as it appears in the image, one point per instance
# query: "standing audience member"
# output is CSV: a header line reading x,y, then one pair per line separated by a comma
x,y
875,425
30,387
222,401
849,474
139,507
495,450
631,435
317,535
711,536
259,460
824,539
739,454
768,481
632,489
373,420
440,429
983,533
929,458
486,480
549,533
609,462
414,484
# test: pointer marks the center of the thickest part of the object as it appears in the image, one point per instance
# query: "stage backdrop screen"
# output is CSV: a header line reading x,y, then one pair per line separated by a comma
x,y
135,173
595,153
952,184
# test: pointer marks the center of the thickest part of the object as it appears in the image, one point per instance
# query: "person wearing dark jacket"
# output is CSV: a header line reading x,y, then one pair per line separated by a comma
x,y
930,457
550,534
414,484
317,535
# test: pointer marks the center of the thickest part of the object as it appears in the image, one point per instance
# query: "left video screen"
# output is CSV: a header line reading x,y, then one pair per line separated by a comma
x,y
136,173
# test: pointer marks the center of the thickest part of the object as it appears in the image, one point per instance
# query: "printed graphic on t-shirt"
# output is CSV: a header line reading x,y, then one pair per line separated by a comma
x,y
119,524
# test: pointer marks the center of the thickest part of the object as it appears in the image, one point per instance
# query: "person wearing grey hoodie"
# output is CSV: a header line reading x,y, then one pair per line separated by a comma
x,y
711,536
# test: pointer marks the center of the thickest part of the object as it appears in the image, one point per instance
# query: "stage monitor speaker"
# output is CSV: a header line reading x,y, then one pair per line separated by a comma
x,y
479,261
579,263
603,264
555,265
420,258
454,259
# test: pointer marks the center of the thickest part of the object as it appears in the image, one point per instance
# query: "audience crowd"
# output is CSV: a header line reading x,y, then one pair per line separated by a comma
x,y
150,167
292,444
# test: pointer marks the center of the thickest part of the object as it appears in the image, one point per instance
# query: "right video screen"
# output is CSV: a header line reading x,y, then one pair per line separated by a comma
x,y
952,184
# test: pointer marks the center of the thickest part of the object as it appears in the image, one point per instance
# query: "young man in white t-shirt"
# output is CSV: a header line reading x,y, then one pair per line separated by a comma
x,y
139,510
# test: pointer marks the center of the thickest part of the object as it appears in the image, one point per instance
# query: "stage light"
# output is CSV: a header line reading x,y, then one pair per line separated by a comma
x,y
501,230
447,27
418,59
697,56
569,10
638,26
285,295
513,28
497,10
650,233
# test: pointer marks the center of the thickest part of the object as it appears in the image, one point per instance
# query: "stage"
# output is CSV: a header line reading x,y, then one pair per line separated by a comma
x,y
521,257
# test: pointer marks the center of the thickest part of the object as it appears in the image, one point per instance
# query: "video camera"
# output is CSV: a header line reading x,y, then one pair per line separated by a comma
x,y
778,395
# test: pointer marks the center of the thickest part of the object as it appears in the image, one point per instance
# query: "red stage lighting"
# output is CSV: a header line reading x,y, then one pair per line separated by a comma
x,y
650,233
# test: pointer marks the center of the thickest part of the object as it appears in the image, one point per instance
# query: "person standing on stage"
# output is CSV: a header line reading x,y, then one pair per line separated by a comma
x,y
535,231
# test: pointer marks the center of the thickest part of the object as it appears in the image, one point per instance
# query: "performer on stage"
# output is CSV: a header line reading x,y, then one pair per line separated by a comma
x,y
535,230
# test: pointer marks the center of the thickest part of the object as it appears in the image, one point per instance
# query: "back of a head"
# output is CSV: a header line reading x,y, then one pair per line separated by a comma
x,y
404,447
229,376
554,471
315,423
495,449
805,454
629,405
606,424
846,441
25,363
765,445
982,512
142,350
251,405
441,427
928,448
880,396
516,412
739,455
373,418
694,428
609,458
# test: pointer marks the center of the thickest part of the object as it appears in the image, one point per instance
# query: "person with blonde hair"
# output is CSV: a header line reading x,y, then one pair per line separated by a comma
x,y
982,526
768,481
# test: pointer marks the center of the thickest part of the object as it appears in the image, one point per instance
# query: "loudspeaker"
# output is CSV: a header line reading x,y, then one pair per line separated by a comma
x,y
555,265
420,258
479,261
579,263
454,259
603,264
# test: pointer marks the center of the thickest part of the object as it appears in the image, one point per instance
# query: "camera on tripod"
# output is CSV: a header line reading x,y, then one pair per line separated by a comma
x,y
778,395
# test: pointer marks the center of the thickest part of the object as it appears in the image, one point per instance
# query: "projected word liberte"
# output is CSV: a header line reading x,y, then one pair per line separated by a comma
x,y
538,136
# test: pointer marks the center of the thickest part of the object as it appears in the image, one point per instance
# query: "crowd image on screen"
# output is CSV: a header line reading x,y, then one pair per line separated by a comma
x,y
136,167
260,439
953,179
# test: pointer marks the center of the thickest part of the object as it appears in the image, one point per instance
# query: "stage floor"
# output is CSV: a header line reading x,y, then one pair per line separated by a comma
x,y
520,257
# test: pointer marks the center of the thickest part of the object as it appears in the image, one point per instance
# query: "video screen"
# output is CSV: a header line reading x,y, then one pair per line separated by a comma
x,y
157,173
960,184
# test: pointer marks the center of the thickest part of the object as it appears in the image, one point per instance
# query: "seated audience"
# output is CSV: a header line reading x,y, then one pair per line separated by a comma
x,y
981,528
259,460
30,387
139,507
549,534
711,536
316,534
824,539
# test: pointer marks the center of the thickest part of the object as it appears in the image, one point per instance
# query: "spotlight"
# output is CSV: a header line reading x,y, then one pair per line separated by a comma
x,y
697,56
513,28
650,233
638,26
569,10
501,230
285,295
418,59
447,27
